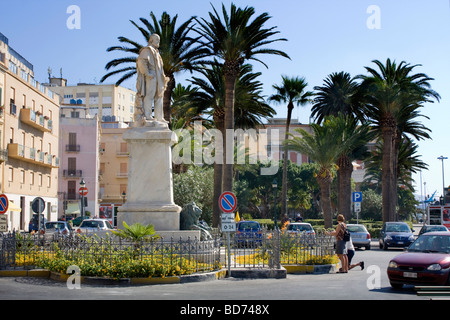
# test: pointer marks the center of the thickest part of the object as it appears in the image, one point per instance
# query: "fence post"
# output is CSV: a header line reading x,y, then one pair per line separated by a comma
x,y
277,249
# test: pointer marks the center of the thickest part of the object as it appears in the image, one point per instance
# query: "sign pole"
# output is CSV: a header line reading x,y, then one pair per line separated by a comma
x,y
228,203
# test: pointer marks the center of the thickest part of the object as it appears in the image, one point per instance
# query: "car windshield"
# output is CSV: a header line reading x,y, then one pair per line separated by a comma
x,y
397,228
356,228
54,225
300,227
431,243
253,226
92,224
435,228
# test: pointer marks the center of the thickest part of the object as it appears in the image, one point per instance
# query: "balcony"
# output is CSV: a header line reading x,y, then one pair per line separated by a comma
x,y
30,155
34,120
72,173
72,148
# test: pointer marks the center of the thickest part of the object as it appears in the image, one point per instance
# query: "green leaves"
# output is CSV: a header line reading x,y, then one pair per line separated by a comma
x,y
136,232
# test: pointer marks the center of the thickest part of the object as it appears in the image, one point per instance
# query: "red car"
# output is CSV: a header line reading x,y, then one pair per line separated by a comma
x,y
426,262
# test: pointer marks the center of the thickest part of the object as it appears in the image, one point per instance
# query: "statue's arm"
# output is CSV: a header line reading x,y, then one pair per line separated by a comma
x,y
144,63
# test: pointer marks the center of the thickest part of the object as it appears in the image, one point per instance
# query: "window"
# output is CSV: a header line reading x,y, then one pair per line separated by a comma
x,y
22,176
10,174
71,190
49,181
40,180
31,178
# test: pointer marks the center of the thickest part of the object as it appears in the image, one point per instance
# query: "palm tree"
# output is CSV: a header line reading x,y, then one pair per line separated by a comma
x,y
178,51
323,146
208,98
393,96
233,40
342,96
292,91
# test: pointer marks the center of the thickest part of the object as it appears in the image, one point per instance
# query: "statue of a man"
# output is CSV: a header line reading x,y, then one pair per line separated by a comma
x,y
151,82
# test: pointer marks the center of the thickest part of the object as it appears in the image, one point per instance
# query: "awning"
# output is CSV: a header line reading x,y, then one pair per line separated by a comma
x,y
73,208
13,207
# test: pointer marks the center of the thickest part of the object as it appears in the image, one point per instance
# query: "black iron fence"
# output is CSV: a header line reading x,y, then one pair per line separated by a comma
x,y
266,249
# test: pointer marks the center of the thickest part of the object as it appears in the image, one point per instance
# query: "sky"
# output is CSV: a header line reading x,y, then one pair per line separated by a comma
x,y
324,36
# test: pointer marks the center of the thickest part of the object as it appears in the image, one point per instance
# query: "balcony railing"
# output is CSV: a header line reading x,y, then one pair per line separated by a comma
x,y
30,117
30,155
72,148
72,173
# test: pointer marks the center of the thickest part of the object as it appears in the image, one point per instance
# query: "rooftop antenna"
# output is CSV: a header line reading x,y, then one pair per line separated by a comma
x,y
60,72
49,70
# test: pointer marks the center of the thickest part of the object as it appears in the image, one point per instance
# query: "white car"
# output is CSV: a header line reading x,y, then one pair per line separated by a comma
x,y
300,228
95,226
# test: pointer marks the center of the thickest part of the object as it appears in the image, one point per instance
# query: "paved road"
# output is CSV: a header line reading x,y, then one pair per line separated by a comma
x,y
369,284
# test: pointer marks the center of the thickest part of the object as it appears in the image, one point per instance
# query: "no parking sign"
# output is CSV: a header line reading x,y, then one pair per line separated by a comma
x,y
4,203
227,202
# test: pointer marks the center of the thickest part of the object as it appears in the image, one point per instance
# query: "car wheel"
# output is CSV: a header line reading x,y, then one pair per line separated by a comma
x,y
385,246
368,247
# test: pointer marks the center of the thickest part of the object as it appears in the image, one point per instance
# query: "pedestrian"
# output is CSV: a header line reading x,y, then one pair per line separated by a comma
x,y
350,253
340,243
299,218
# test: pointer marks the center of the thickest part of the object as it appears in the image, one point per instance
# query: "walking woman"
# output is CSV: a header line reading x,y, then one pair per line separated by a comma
x,y
341,250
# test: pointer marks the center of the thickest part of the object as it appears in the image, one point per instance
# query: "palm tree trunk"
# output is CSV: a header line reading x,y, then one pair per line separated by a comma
x,y
231,72
325,200
345,186
285,162
167,99
218,169
389,191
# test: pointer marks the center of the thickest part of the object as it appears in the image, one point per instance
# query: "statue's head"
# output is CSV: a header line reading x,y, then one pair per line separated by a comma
x,y
154,40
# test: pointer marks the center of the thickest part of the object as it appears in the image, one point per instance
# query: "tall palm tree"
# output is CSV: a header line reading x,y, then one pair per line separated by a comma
x,y
207,98
323,146
393,96
291,91
341,95
234,39
179,52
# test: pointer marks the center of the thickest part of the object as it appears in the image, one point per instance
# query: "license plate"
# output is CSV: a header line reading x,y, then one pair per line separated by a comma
x,y
410,274
400,242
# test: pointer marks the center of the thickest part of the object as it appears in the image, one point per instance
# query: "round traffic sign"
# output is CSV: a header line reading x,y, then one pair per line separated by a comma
x,y
82,191
227,202
38,205
4,203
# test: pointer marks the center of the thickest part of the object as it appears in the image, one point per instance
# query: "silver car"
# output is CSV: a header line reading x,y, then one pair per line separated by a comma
x,y
360,236
58,227
95,226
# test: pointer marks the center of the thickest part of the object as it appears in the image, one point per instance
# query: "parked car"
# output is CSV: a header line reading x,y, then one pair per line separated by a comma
x,y
77,221
360,236
248,233
395,234
430,228
300,227
426,262
57,227
97,226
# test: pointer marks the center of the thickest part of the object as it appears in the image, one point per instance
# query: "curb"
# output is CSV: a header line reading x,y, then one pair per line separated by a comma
x,y
311,269
215,275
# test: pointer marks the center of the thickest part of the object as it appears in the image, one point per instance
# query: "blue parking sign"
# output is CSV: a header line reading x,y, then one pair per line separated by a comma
x,y
357,196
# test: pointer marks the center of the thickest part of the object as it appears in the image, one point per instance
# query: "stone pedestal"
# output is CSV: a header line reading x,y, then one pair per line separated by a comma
x,y
150,188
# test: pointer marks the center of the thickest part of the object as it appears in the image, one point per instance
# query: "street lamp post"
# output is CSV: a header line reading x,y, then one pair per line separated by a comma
x,y
275,187
82,185
442,158
124,196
